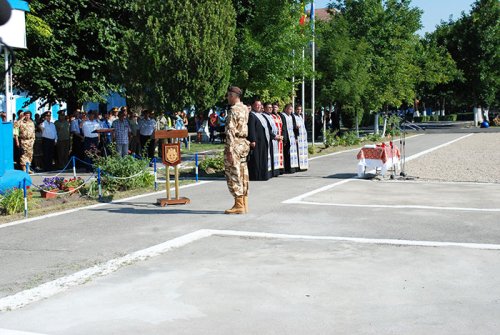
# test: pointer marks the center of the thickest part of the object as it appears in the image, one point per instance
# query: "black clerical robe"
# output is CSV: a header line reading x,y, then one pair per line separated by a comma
x,y
258,157
289,144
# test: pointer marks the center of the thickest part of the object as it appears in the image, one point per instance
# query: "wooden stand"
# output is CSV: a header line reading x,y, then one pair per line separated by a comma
x,y
171,154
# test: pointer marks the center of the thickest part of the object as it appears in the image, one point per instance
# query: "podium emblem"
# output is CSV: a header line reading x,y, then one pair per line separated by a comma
x,y
171,154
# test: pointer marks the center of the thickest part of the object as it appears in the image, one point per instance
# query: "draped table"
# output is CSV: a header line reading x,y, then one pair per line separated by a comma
x,y
377,157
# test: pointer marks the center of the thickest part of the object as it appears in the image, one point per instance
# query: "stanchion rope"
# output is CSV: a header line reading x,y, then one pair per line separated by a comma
x,y
62,193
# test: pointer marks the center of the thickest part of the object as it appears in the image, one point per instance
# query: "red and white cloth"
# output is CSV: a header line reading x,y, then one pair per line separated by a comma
x,y
383,157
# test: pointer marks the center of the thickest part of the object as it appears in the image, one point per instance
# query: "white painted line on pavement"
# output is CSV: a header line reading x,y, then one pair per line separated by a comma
x,y
14,223
59,285
445,182
438,147
334,154
299,198
350,150
400,206
51,288
238,233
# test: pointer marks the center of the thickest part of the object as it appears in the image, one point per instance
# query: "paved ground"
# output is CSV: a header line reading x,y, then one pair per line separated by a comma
x,y
320,253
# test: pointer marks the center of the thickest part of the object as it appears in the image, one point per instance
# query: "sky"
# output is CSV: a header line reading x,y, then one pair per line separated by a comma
x,y
434,11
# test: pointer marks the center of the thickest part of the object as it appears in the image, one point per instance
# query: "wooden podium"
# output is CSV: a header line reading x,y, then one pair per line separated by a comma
x,y
171,155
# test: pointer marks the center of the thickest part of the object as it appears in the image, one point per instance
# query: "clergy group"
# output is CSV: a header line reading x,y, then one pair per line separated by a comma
x,y
278,140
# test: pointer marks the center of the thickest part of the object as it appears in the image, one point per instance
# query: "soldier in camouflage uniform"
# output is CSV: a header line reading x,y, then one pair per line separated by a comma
x,y
25,139
236,152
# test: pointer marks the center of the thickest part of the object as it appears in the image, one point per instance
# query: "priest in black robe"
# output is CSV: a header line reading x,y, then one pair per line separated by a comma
x,y
259,145
273,139
290,157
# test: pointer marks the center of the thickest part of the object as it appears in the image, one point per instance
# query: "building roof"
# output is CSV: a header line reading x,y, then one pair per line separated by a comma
x,y
322,14
19,5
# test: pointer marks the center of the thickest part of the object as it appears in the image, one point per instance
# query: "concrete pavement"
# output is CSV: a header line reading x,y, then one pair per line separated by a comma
x,y
271,284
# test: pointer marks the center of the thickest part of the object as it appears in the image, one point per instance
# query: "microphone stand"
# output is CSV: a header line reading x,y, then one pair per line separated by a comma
x,y
403,128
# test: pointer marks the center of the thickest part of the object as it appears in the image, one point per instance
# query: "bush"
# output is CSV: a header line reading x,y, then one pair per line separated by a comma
x,y
347,139
373,138
123,168
312,149
330,138
13,201
215,163
451,117
422,119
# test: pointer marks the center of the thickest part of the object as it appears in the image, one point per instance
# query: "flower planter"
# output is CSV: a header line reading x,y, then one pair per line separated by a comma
x,y
49,194
70,190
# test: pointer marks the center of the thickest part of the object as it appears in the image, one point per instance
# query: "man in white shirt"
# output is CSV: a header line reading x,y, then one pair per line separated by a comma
x,y
49,139
77,137
147,126
90,137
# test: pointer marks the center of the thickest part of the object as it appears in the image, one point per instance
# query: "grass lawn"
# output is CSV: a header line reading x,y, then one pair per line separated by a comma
x,y
201,147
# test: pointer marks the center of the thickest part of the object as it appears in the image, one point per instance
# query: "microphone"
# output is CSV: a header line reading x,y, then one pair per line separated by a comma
x,y
5,12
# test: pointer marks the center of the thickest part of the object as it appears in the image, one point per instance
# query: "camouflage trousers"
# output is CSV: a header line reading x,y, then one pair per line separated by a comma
x,y
236,172
27,153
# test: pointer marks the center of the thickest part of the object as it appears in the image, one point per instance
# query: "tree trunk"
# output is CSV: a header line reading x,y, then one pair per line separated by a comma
x,y
72,105
357,122
478,117
385,127
332,116
376,128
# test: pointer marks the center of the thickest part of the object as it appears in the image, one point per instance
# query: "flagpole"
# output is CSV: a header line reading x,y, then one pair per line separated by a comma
x,y
293,80
303,98
313,96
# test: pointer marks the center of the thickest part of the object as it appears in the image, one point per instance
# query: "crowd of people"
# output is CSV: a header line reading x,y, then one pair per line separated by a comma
x,y
278,140
48,145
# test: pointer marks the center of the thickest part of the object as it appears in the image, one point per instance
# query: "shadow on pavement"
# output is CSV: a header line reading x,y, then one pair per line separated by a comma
x,y
152,209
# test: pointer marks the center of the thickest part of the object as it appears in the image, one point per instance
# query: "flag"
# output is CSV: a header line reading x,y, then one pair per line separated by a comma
x,y
302,20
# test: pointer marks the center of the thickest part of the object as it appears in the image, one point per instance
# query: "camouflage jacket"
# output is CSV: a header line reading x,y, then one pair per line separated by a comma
x,y
237,129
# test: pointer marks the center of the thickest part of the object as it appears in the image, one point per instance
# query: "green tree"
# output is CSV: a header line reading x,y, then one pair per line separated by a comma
x,y
269,49
436,69
343,63
71,44
367,58
179,53
474,43
389,27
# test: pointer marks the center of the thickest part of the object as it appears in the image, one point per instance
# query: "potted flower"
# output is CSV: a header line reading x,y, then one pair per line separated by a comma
x,y
50,187
70,185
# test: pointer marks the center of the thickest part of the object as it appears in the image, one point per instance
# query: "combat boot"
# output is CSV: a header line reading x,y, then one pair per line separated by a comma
x,y
238,208
245,202
228,211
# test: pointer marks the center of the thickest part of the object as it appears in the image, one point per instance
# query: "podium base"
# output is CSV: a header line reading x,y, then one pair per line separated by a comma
x,y
164,201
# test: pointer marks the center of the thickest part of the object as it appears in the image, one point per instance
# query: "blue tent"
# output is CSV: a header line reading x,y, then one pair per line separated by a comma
x,y
19,4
